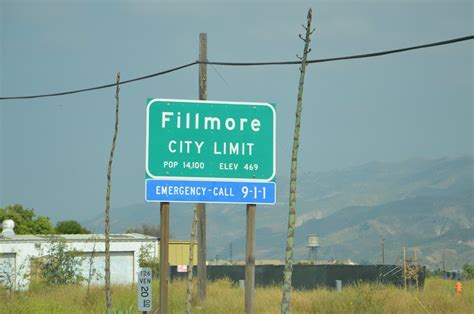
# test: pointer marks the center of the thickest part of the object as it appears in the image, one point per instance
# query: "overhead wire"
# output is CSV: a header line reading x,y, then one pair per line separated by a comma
x,y
103,86
358,56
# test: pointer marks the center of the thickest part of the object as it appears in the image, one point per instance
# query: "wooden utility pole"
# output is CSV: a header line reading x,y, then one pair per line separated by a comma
x,y
250,260
164,255
287,274
443,264
201,207
404,268
383,251
108,293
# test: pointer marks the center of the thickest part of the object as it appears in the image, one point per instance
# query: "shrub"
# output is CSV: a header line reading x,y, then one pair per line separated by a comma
x,y
61,264
145,259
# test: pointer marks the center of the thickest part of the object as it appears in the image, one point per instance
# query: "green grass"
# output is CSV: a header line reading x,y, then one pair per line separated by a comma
x,y
224,297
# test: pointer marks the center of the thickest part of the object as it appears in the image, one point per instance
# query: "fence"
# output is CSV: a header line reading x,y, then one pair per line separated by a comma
x,y
310,276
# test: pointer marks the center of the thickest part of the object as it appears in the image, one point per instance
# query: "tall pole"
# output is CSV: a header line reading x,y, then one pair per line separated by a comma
x,y
404,268
443,263
164,255
202,271
383,251
108,293
189,292
288,271
250,260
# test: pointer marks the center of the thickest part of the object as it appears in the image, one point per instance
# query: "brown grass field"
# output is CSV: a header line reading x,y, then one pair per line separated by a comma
x,y
223,297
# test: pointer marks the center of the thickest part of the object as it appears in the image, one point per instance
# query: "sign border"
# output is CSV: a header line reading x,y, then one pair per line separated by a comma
x,y
213,202
151,176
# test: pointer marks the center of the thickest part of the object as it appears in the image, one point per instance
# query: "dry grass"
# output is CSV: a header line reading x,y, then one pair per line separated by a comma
x,y
223,297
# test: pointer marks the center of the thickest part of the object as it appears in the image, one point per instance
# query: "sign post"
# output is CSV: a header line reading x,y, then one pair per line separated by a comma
x,y
164,255
145,290
250,260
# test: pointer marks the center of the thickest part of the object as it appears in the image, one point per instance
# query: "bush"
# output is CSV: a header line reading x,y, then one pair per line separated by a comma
x,y
70,227
146,260
61,265
468,271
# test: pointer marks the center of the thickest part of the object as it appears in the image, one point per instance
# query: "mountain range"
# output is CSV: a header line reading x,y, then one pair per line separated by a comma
x,y
425,205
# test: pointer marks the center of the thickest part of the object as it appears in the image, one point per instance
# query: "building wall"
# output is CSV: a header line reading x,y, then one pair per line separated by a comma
x,y
179,253
124,258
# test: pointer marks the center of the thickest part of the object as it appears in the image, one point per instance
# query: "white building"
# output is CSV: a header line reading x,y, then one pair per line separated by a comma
x,y
17,252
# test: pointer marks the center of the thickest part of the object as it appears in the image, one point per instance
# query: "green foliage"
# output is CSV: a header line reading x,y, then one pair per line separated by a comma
x,y
13,276
145,259
468,271
26,221
61,265
70,227
224,297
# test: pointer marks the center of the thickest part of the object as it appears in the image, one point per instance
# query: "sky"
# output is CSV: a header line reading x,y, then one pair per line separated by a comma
x,y
54,151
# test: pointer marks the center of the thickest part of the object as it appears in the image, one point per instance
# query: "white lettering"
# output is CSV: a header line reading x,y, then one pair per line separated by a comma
x,y
199,145
212,120
169,146
164,118
255,125
230,124
242,122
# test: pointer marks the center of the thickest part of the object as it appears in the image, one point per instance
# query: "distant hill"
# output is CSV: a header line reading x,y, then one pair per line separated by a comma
x,y
422,203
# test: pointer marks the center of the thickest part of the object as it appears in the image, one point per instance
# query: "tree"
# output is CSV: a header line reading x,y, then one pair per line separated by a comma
x,y
61,265
468,271
108,293
70,227
145,259
286,296
26,221
189,292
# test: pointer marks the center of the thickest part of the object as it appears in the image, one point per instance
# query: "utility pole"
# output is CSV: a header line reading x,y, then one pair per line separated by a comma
x,y
383,251
201,207
230,252
443,263
404,268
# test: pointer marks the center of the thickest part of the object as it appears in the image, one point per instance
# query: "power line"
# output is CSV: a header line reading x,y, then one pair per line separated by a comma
x,y
359,56
103,86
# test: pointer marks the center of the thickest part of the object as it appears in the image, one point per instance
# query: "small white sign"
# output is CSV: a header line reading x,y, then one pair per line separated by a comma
x,y
144,289
182,268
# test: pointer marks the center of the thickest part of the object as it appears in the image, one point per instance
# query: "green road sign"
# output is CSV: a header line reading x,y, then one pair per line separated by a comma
x,y
210,140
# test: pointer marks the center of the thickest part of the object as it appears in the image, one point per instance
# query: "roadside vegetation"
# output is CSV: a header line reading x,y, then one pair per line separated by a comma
x,y
26,222
223,297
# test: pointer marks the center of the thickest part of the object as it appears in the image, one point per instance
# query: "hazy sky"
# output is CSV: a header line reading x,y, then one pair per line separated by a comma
x,y
54,151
